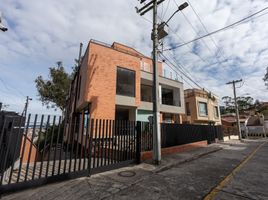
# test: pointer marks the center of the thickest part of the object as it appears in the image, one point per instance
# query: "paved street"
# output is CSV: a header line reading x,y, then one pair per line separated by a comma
x,y
204,170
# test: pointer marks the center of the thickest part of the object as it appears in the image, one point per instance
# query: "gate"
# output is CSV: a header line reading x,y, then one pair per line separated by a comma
x,y
47,149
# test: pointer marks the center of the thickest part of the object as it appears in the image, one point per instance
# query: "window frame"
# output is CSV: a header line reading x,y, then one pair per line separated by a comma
x,y
199,113
134,84
216,114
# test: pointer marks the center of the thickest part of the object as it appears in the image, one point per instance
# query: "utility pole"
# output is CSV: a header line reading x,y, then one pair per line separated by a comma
x,y
24,112
158,33
156,119
236,107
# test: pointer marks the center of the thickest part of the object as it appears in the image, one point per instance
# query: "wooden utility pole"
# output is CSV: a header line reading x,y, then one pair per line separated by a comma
x,y
236,107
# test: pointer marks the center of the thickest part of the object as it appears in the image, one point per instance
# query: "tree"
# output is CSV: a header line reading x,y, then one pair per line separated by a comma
x,y
54,91
243,103
266,78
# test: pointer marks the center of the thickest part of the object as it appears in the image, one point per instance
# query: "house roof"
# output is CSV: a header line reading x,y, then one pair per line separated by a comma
x,y
232,119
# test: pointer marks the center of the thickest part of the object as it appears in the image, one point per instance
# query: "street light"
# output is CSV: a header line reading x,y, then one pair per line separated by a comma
x,y
2,27
162,30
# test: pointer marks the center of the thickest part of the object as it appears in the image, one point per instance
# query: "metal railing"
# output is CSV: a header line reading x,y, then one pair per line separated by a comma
x,y
48,149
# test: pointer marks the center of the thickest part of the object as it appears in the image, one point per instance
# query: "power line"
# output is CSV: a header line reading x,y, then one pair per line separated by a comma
x,y
178,68
206,30
176,72
216,31
6,86
176,34
166,10
196,32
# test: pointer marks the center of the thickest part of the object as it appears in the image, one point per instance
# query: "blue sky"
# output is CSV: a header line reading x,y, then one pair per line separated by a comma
x,y
44,32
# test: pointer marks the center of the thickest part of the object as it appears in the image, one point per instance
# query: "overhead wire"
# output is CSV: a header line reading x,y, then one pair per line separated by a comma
x,y
219,50
218,30
175,70
205,28
13,88
178,67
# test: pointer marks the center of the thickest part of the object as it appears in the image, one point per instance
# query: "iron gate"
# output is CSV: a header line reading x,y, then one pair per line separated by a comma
x,y
47,149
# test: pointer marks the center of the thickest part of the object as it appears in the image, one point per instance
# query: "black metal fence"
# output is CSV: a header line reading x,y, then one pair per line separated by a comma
x,y
178,134
48,149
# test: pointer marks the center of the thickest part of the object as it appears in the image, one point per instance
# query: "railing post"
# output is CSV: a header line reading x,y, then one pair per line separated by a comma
x,y
138,142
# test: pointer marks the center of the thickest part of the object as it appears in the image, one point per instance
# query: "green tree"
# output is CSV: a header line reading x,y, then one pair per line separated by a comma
x,y
54,91
243,103
53,134
266,78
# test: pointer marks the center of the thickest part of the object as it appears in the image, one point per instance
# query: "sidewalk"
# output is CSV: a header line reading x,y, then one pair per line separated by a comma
x,y
109,184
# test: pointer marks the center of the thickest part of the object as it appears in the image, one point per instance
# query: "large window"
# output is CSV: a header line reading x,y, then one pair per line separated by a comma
x,y
125,82
216,112
203,109
146,93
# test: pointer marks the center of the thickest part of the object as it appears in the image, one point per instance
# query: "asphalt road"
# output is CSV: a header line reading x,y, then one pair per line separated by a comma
x,y
238,171
251,179
195,179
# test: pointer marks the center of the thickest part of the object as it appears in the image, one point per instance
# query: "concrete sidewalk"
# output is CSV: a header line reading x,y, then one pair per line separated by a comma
x,y
121,183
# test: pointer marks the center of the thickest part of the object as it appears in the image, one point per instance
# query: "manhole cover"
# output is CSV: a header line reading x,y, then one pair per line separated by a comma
x,y
127,173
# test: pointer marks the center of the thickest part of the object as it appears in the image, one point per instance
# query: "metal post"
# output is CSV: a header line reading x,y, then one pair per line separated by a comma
x,y
156,119
138,142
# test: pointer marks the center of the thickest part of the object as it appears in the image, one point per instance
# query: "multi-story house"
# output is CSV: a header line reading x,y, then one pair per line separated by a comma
x,y
201,107
115,82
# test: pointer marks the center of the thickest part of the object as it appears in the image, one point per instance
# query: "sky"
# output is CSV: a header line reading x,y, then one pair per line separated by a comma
x,y
44,32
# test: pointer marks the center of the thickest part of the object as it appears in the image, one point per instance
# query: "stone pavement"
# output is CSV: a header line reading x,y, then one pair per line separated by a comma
x,y
187,175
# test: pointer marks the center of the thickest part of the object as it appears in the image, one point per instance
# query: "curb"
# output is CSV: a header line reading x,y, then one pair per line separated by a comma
x,y
164,168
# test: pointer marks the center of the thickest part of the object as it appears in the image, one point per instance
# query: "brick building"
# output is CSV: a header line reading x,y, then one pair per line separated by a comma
x,y
115,82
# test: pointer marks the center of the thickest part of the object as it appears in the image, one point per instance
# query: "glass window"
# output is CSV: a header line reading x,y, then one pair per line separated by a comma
x,y
146,93
203,109
125,82
188,112
216,112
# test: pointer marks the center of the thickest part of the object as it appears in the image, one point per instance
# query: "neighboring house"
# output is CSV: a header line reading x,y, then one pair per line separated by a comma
x,y
115,82
229,119
201,107
255,124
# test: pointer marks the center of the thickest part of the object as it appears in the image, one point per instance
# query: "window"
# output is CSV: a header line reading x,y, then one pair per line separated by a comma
x,y
203,109
167,118
125,82
167,97
188,112
216,112
146,93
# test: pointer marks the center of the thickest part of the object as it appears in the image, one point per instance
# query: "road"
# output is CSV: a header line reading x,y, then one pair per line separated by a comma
x,y
238,171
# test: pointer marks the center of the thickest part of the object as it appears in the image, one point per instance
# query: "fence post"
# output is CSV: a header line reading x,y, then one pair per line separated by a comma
x,y
138,143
